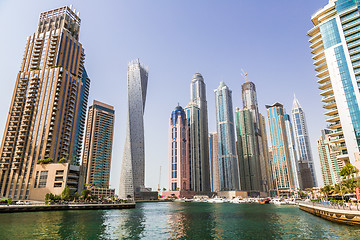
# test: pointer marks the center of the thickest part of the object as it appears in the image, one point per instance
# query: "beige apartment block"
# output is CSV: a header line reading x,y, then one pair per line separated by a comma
x,y
52,178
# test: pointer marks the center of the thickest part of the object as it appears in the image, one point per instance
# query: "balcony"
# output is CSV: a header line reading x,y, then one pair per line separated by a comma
x,y
330,105
332,111
318,49
335,125
325,85
327,91
322,73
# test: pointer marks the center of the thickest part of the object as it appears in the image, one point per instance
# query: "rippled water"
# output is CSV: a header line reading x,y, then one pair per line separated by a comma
x,y
175,221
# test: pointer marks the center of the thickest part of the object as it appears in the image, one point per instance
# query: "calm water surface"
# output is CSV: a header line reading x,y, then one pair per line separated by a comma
x,y
175,221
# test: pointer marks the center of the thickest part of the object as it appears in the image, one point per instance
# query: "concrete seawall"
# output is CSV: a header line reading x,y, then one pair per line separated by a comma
x,y
350,217
35,208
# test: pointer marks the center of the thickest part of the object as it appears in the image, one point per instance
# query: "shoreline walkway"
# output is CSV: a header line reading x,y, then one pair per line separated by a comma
x,y
350,216
61,207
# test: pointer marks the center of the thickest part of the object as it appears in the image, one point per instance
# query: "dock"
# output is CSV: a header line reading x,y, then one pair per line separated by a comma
x,y
350,216
62,207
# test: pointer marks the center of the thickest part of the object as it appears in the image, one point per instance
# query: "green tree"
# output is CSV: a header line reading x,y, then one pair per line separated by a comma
x,y
326,190
85,194
66,194
62,160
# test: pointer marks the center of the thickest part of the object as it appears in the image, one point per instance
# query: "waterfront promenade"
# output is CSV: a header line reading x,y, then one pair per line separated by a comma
x,y
343,214
61,207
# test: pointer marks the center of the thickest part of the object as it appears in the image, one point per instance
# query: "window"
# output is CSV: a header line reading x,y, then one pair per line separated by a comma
x,y
43,179
59,172
57,185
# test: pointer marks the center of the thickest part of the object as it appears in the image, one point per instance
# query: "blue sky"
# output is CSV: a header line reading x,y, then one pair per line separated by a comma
x,y
176,39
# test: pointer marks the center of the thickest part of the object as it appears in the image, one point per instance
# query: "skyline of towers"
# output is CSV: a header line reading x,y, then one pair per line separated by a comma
x,y
179,172
96,160
132,175
335,47
282,171
198,96
304,154
48,108
228,161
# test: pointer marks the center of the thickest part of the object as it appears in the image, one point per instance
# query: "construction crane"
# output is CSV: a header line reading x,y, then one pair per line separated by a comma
x,y
244,75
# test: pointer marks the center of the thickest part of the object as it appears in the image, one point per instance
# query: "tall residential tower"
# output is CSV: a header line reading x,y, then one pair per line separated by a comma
x,y
282,170
335,46
48,107
302,139
228,161
96,160
198,96
132,176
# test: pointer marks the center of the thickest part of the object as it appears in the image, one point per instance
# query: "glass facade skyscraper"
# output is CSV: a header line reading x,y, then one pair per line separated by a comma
x,y
132,176
302,139
282,170
335,45
198,96
48,108
228,161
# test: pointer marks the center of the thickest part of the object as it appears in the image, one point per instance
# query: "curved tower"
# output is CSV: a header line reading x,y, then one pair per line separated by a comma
x,y
133,165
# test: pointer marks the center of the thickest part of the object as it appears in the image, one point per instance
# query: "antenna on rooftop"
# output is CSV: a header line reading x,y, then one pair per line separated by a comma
x,y
244,75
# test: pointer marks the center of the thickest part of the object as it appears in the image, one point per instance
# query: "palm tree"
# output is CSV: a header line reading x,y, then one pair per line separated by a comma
x,y
326,190
348,170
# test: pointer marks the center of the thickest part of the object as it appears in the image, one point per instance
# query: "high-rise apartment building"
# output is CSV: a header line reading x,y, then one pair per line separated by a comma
x,y
179,169
253,157
96,160
48,108
267,164
292,152
335,46
132,176
228,161
248,151
330,164
198,96
302,138
214,162
192,113
282,171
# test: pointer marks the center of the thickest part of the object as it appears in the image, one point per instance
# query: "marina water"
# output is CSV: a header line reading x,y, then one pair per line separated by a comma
x,y
175,220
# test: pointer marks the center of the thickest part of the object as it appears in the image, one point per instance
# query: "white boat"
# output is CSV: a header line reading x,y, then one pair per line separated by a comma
x,y
290,201
237,200
278,201
216,200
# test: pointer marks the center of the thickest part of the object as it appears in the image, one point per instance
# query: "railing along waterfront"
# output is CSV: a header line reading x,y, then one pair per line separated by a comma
x,y
330,205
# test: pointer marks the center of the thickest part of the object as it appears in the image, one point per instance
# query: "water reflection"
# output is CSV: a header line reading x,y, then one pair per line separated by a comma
x,y
175,221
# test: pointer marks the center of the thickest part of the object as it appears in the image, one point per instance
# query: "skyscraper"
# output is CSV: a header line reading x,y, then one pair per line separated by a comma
x,y
48,108
282,171
96,160
198,96
335,46
228,161
302,138
214,162
179,169
330,165
253,157
292,152
132,176
248,151
192,113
